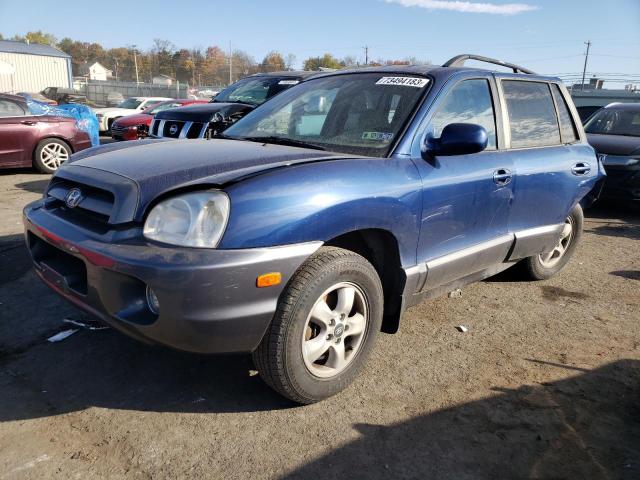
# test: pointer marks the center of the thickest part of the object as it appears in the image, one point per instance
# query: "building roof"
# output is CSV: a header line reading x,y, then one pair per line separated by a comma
x,y
12,46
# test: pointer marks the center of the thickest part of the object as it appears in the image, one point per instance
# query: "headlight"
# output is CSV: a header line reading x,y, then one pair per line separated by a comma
x,y
191,220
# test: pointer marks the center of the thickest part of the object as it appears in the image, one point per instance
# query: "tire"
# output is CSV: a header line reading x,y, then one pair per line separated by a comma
x,y
50,154
327,277
546,265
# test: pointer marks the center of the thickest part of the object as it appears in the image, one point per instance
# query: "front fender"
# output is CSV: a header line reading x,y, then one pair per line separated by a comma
x,y
322,200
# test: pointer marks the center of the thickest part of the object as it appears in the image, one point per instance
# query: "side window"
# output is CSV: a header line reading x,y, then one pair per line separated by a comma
x,y
568,131
532,115
468,102
10,109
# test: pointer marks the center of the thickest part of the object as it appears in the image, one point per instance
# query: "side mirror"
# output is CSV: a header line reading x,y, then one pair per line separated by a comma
x,y
456,139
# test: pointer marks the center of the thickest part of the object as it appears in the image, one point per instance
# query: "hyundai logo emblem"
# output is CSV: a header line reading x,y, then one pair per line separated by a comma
x,y
73,198
173,129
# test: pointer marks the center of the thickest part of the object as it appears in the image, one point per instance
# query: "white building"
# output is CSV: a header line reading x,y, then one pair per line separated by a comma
x,y
34,66
162,80
96,71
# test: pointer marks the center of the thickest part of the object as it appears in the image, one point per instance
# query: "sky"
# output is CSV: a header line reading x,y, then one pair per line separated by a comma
x,y
546,36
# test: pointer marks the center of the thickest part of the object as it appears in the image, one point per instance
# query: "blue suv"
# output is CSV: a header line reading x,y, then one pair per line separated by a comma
x,y
317,219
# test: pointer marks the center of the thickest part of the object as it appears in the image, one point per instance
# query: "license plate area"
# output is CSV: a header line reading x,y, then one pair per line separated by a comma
x,y
58,267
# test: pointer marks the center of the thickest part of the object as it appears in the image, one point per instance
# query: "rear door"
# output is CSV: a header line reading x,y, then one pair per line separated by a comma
x,y
15,133
466,198
554,168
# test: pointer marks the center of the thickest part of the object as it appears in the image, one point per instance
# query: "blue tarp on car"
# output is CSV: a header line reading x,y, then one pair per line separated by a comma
x,y
85,118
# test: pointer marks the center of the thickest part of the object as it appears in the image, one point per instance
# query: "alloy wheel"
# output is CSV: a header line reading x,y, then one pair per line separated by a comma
x,y
552,258
53,155
335,330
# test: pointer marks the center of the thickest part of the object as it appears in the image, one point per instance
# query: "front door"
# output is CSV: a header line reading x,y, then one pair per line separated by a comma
x,y
466,198
15,133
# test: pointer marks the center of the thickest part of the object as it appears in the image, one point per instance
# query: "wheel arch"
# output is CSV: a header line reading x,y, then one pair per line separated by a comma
x,y
56,137
380,247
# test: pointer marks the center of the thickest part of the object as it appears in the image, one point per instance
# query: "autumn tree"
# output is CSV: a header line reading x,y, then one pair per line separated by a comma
x,y
273,62
326,61
37,37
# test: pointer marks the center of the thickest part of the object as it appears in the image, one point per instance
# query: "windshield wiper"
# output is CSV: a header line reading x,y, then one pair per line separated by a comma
x,y
251,104
283,141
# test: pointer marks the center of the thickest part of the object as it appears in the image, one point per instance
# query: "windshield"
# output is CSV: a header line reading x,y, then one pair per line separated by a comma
x,y
254,90
359,113
615,122
130,103
161,107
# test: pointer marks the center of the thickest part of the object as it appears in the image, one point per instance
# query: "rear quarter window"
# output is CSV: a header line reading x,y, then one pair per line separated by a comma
x,y
532,115
10,109
568,131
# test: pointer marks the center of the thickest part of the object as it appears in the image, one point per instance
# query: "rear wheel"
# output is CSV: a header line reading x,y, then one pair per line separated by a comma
x,y
324,327
50,154
546,265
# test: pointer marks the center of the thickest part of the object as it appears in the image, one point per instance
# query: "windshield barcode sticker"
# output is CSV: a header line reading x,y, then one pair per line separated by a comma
x,y
404,81
288,82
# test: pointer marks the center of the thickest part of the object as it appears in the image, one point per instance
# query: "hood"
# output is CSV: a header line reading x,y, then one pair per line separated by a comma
x,y
136,119
203,112
153,167
622,145
110,110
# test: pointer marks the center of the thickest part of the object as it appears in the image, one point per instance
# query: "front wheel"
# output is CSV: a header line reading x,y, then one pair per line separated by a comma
x,y
50,154
324,327
547,264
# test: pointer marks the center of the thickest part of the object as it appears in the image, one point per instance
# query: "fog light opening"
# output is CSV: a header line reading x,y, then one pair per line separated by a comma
x,y
152,301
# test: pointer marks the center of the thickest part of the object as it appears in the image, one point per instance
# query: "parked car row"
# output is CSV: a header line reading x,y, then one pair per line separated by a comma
x,y
136,126
311,223
612,130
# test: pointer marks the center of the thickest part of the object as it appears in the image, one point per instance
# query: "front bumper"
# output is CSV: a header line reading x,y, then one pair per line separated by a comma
x,y
209,302
124,134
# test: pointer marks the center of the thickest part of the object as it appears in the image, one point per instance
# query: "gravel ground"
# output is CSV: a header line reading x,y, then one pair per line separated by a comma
x,y
545,384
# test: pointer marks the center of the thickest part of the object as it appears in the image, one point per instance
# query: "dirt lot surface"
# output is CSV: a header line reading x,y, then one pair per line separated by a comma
x,y
545,384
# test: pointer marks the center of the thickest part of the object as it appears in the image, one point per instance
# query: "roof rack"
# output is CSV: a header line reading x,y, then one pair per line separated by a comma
x,y
459,60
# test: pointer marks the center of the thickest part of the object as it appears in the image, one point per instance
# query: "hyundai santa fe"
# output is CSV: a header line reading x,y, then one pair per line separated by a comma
x,y
316,220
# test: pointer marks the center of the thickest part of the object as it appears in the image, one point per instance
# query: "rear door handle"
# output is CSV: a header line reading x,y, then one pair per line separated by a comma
x,y
502,176
581,168
28,122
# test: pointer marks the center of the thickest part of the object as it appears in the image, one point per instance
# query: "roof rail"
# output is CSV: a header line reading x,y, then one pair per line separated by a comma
x,y
459,60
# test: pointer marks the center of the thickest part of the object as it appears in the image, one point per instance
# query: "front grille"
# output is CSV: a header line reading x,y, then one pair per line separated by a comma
x,y
177,129
118,129
196,130
155,124
172,128
94,201
59,266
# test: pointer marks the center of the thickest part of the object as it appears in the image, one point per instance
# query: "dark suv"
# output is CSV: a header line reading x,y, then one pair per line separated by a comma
x,y
228,106
318,218
614,131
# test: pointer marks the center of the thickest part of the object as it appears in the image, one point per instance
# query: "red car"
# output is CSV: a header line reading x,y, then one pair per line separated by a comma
x,y
42,141
133,127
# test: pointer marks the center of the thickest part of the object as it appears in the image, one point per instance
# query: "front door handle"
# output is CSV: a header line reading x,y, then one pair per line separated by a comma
x,y
502,176
581,168
28,122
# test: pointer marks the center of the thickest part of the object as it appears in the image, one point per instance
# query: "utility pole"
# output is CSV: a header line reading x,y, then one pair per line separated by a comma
x,y
586,58
135,61
366,55
230,64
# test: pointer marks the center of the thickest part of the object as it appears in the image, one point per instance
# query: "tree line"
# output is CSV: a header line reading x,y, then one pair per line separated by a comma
x,y
196,66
